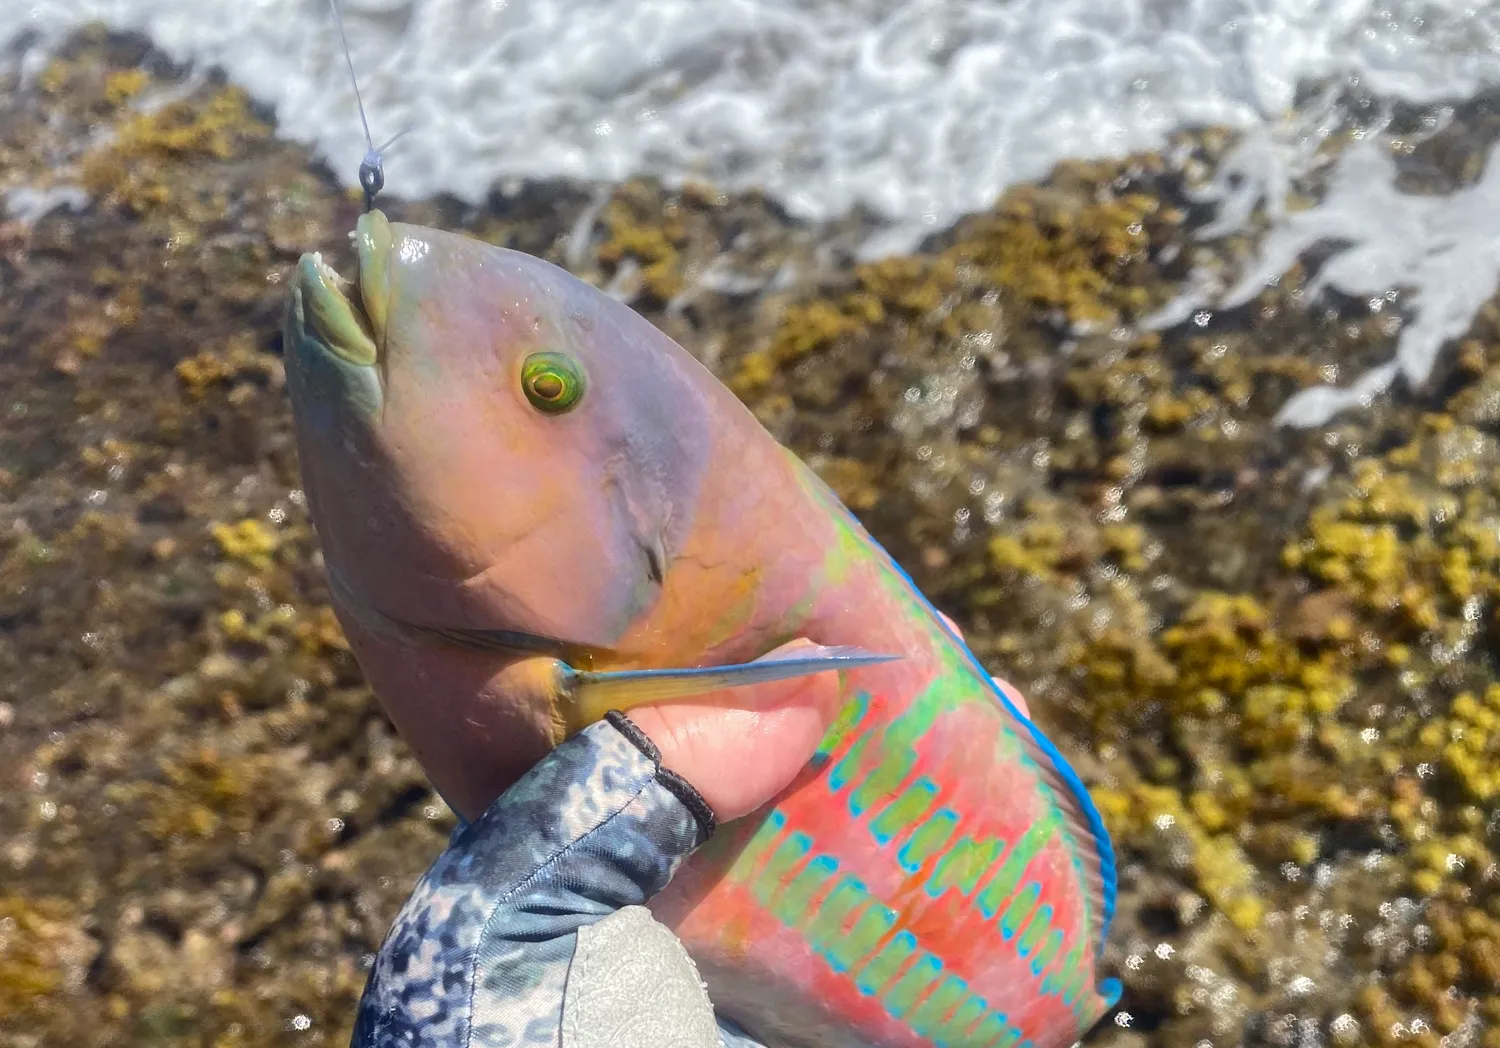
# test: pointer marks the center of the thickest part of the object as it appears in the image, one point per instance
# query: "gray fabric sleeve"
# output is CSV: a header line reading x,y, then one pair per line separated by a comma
x,y
632,985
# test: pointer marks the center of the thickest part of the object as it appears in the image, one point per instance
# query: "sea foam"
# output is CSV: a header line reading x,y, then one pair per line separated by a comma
x,y
918,111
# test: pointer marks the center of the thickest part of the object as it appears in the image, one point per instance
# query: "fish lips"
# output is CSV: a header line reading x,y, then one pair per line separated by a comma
x,y
348,317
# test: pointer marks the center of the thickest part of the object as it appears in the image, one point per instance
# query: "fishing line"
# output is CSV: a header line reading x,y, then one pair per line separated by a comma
x,y
372,167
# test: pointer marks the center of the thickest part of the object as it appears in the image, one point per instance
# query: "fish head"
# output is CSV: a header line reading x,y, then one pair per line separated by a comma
x,y
488,443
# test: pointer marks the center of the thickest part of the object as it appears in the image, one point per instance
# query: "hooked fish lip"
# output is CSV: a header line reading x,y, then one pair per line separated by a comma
x,y
373,247
347,316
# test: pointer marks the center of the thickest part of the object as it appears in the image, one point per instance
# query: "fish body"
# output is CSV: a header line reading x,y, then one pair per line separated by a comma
x,y
936,876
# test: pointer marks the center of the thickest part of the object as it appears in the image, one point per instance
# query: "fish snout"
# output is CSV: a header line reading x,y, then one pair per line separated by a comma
x,y
347,317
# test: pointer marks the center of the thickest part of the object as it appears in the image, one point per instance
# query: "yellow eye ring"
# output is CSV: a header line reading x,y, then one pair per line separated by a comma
x,y
553,382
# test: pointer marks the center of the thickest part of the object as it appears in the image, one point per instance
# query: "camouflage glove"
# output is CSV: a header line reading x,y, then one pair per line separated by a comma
x,y
530,929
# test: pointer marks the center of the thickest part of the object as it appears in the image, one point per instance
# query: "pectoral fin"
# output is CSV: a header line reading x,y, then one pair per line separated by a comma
x,y
595,694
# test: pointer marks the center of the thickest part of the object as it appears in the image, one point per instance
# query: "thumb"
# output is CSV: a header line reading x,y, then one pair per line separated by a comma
x,y
740,747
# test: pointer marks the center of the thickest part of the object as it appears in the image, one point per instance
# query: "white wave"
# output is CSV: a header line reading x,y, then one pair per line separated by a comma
x,y
1443,249
920,110
1442,252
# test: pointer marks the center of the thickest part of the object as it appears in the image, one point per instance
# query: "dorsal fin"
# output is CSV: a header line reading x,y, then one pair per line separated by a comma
x,y
1079,815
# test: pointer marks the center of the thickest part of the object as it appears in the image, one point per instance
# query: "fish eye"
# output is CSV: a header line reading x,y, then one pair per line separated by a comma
x,y
553,382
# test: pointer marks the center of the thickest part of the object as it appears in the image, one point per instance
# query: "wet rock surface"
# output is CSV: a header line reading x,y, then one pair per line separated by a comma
x,y
1268,652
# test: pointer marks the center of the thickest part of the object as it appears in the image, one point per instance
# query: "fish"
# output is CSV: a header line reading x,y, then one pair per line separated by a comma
x,y
533,504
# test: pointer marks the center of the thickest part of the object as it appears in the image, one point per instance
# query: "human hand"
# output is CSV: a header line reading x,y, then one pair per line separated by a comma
x,y
739,751
740,747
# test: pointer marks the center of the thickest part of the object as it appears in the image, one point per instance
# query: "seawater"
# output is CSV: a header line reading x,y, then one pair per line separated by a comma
x,y
918,111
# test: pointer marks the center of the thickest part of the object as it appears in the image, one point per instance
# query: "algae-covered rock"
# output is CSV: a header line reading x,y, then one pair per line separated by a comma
x,y
44,954
1269,654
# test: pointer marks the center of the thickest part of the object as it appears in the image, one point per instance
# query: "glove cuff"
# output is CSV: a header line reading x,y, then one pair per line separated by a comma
x,y
675,784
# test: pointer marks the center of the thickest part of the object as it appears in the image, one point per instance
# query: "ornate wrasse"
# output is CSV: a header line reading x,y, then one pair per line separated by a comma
x,y
534,505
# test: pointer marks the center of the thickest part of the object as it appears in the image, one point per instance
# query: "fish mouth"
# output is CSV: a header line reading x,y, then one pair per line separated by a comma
x,y
348,316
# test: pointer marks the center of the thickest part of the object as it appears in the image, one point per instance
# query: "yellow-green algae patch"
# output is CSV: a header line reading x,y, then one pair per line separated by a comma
x,y
1043,251
42,951
1351,695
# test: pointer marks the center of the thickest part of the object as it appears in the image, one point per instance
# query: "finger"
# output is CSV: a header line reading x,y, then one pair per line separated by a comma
x,y
740,747
1013,693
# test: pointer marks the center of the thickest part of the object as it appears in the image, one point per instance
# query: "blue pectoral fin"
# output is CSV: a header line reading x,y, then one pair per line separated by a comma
x,y
595,694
